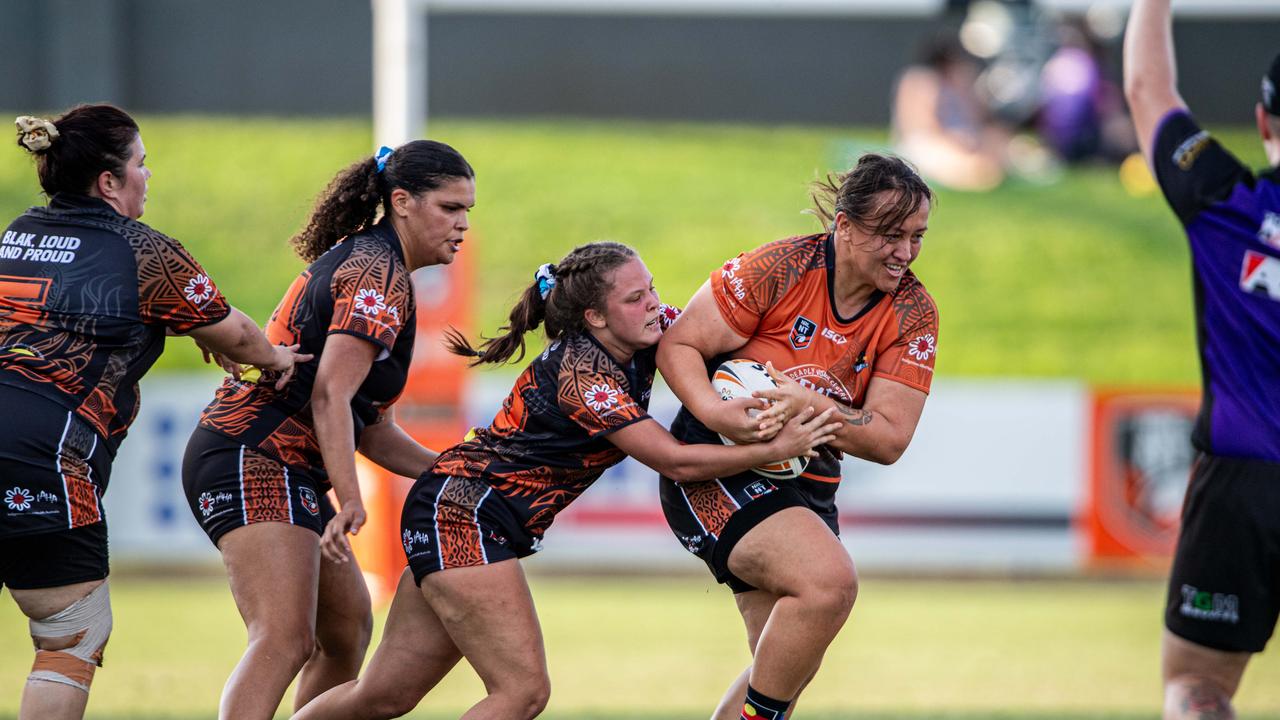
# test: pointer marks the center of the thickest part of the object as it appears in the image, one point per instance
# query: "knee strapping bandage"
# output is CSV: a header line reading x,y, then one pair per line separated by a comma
x,y
69,644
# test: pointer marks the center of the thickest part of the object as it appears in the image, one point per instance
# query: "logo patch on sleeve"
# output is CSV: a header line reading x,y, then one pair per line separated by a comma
x,y
1269,231
1186,153
1260,275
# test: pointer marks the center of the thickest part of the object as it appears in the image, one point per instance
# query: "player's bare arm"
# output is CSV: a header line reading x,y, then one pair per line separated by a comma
x,y
388,445
698,335
343,367
1150,71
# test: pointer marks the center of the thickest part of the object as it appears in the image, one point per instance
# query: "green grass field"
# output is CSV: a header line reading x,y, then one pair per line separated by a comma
x,y
913,650
1075,279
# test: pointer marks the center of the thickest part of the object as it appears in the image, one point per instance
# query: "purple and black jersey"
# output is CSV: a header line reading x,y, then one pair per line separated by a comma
x,y
1232,219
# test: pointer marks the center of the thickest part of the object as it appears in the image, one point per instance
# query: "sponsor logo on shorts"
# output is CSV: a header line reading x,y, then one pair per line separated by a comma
x,y
208,502
309,502
759,488
1269,231
802,331
1185,155
692,543
834,336
495,537
415,538
1214,607
1260,275
18,499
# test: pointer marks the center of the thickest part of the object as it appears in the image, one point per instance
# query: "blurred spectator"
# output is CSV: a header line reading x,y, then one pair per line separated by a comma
x,y
941,125
1082,114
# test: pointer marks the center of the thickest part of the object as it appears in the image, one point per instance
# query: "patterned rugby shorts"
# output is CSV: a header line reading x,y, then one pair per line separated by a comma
x,y
709,518
451,522
229,485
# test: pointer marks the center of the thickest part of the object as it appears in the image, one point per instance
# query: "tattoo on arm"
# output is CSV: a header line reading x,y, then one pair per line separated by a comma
x,y
855,416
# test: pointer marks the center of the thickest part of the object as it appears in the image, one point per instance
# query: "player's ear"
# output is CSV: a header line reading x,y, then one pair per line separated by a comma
x,y
401,199
595,319
1264,127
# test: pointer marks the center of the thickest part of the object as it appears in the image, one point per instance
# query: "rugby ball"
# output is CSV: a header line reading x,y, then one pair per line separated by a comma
x,y
740,378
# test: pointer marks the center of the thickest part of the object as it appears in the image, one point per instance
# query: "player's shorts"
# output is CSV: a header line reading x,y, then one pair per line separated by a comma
x,y
229,485
54,559
1224,590
53,466
452,522
709,518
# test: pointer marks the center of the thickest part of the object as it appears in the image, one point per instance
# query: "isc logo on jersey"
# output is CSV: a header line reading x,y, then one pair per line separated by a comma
x,y
1260,275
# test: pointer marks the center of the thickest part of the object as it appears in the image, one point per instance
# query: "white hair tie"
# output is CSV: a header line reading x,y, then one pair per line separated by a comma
x,y
37,133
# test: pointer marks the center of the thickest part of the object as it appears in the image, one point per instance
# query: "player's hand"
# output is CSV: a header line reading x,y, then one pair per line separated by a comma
x,y
805,432
738,420
284,361
786,400
213,357
333,542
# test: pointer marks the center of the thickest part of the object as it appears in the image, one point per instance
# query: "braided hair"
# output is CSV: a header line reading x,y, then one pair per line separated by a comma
x,y
350,203
582,281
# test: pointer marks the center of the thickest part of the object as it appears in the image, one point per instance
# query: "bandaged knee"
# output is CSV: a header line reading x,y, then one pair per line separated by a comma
x,y
69,644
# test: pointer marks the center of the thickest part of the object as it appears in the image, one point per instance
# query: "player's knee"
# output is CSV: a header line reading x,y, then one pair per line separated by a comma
x,y
536,696
348,637
833,591
289,645
1196,697
393,704
70,643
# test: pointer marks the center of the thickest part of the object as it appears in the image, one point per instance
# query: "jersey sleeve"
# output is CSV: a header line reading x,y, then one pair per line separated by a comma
x,y
1193,170
173,290
910,356
597,403
371,298
746,287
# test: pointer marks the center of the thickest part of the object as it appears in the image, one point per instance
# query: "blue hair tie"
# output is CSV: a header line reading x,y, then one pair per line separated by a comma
x,y
546,277
381,156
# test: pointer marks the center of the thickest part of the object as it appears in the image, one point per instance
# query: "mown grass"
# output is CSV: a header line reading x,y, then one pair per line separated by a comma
x,y
665,647
1074,279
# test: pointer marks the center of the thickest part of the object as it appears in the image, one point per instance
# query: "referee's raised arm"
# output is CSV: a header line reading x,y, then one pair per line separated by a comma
x,y
1150,71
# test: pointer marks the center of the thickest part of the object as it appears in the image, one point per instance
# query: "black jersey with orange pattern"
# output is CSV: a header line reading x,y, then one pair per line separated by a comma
x,y
779,297
549,442
360,287
86,299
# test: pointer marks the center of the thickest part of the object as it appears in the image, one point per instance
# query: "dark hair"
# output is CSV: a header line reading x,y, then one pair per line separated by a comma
x,y
88,140
582,282
350,202
854,193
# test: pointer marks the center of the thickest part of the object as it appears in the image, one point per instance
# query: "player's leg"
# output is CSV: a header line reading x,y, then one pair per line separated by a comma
x,y
414,654
273,570
1199,682
69,627
1224,587
793,555
488,612
344,624
755,607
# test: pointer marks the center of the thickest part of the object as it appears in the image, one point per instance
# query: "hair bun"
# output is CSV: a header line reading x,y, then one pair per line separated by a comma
x,y
35,134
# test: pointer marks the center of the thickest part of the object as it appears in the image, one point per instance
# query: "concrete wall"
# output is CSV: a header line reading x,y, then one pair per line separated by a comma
x,y
298,57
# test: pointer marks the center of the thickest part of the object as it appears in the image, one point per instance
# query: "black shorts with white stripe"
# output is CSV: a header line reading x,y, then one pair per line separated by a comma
x,y
229,485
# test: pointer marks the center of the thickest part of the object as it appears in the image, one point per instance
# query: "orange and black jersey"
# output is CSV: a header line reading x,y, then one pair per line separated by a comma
x,y
779,297
86,298
359,287
549,442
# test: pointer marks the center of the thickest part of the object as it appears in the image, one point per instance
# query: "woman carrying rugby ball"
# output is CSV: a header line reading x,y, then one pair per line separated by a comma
x,y
843,325
579,408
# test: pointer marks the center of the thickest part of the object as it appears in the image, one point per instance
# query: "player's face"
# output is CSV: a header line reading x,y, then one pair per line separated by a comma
x,y
131,197
881,260
631,317
435,221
